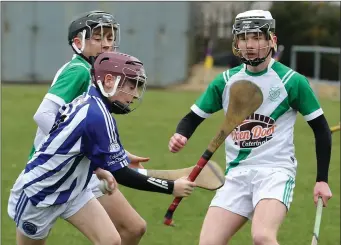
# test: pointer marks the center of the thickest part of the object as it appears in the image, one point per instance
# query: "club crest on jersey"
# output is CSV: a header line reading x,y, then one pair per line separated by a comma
x,y
29,228
254,131
114,147
274,93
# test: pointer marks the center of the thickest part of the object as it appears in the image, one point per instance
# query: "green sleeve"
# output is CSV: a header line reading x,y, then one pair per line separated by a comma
x,y
211,100
302,98
71,83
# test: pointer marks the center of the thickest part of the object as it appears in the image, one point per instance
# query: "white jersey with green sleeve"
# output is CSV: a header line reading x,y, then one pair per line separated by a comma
x,y
70,81
266,138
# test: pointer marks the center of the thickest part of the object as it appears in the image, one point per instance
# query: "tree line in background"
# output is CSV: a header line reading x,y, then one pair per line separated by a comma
x,y
297,23
310,24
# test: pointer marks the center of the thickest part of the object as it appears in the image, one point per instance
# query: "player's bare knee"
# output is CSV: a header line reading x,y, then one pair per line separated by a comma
x,y
264,238
137,230
141,228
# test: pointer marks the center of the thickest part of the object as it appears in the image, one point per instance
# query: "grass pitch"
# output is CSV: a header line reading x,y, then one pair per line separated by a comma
x,y
146,132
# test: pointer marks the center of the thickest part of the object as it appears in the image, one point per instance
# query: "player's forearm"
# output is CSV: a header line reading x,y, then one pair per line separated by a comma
x,y
46,115
189,124
135,180
130,156
322,146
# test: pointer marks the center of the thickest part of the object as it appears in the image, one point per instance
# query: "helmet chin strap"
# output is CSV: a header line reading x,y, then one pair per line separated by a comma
x,y
83,44
256,61
116,107
80,52
113,91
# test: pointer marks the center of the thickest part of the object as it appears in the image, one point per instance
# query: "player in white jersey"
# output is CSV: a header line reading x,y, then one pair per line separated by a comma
x,y
84,139
89,34
260,156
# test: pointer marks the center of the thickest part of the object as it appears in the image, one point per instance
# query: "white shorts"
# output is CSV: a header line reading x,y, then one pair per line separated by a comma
x,y
93,185
245,187
36,222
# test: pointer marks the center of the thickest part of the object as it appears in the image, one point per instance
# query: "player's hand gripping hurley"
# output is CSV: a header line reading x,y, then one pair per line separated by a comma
x,y
245,98
318,217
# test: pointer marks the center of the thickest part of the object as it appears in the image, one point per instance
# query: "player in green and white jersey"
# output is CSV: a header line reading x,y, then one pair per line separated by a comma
x,y
260,154
89,34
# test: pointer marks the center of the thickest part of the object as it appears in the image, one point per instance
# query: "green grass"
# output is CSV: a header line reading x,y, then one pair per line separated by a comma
x,y
146,132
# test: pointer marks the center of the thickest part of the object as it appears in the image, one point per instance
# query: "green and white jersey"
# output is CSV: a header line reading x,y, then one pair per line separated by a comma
x,y
264,139
70,81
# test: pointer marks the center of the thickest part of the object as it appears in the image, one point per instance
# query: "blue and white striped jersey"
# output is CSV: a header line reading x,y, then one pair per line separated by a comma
x,y
83,138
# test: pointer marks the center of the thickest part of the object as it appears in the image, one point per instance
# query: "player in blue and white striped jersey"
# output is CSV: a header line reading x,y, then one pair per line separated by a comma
x,y
52,176
89,34
84,139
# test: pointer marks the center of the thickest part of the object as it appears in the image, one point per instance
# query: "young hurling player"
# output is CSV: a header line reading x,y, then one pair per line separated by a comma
x,y
89,34
84,139
260,157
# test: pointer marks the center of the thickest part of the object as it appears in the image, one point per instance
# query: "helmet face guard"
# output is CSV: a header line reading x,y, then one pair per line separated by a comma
x,y
138,82
252,22
128,72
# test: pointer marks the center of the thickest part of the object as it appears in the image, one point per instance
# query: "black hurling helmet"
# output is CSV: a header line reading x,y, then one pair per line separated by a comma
x,y
87,22
253,21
